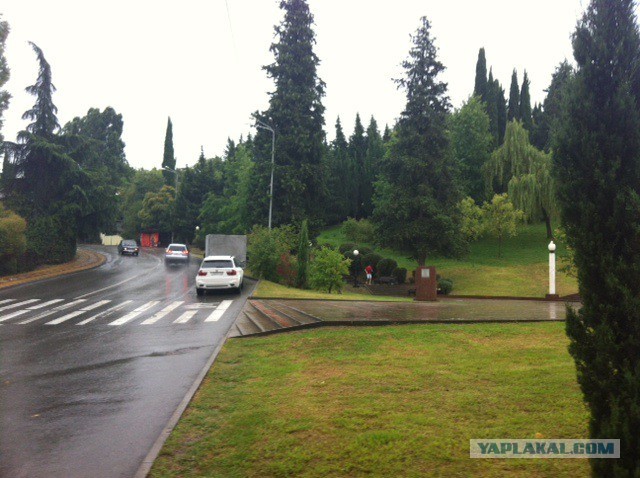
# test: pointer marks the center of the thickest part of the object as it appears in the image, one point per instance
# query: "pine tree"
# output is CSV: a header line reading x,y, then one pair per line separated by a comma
x,y
552,106
374,154
480,85
168,159
514,98
491,104
4,73
386,136
297,115
525,104
597,159
416,195
357,156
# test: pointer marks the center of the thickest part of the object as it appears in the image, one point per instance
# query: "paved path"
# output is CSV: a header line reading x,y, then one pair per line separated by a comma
x,y
269,316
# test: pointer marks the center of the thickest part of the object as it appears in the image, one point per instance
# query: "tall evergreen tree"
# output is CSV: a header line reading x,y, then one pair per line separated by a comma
x,y
168,158
386,136
337,175
297,115
514,98
357,154
480,86
416,195
525,103
501,105
4,74
597,159
546,124
374,154
491,104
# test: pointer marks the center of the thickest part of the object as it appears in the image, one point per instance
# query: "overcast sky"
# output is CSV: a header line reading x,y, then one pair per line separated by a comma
x,y
200,62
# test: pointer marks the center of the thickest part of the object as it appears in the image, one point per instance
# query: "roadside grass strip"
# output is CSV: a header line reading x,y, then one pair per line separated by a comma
x,y
381,401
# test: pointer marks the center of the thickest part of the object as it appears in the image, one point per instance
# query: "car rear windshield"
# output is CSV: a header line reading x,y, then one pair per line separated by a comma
x,y
220,264
177,248
129,243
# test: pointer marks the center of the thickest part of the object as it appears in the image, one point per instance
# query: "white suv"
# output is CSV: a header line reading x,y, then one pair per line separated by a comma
x,y
219,272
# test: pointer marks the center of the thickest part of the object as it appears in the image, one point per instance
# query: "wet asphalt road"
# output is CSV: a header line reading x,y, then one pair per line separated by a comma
x,y
86,386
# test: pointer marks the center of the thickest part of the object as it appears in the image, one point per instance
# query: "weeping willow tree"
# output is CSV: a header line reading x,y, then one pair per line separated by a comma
x,y
524,172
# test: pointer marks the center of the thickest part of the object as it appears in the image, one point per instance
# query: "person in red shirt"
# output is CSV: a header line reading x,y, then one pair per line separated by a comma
x,y
369,271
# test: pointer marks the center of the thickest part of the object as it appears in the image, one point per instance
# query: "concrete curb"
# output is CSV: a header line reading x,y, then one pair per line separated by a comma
x,y
150,458
85,259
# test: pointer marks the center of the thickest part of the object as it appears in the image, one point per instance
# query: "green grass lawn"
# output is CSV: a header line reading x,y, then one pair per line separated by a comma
x,y
385,401
523,269
268,289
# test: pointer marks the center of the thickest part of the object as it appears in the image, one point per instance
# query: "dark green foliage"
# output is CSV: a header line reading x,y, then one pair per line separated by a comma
x,y
168,158
597,160
338,177
363,251
374,154
143,182
525,104
356,267
265,250
471,142
400,273
12,239
303,256
357,156
545,121
386,136
4,73
445,286
480,85
358,231
297,115
513,111
347,246
416,194
539,128
372,260
385,267
50,240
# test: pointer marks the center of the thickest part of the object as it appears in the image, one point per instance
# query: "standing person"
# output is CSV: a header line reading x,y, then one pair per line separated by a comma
x,y
369,271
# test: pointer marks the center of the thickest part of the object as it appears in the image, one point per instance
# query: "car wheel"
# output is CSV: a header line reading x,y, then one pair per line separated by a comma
x,y
136,254
199,291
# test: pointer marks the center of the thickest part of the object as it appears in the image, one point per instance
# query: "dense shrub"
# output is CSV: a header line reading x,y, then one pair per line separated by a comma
x,y
51,240
358,231
385,267
347,247
287,270
13,242
356,265
365,251
265,250
400,273
445,286
371,260
326,270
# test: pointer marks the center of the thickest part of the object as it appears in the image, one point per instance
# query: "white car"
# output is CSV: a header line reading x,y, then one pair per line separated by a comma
x,y
219,272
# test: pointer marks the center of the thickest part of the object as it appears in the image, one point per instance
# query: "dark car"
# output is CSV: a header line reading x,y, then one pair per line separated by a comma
x,y
128,246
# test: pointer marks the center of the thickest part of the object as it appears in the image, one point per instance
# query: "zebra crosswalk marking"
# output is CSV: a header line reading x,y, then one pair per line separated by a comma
x,y
105,312
18,304
28,309
184,318
135,313
163,312
219,312
78,312
52,311
6,300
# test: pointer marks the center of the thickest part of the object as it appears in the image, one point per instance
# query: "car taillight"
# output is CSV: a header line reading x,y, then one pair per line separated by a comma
x,y
232,273
185,252
167,251
202,273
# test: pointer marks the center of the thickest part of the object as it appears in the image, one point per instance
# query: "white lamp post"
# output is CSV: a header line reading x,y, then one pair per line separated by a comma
x,y
552,271
262,125
356,252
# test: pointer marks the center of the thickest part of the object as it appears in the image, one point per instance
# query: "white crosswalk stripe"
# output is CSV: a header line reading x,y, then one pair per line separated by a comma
x,y
29,309
52,311
64,310
163,312
105,312
219,312
184,318
135,313
78,312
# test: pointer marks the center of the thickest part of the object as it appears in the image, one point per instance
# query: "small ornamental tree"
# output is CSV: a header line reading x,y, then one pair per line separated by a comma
x,y
265,252
327,269
472,219
501,218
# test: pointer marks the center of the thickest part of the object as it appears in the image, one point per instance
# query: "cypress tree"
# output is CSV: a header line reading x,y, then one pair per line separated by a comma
x,y
480,85
297,115
168,158
525,103
501,106
491,102
597,160
514,98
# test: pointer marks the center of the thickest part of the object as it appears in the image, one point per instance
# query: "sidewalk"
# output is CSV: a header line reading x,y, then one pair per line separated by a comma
x,y
266,316
85,259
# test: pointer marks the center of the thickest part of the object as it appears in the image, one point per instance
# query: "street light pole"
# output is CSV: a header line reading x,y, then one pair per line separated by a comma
x,y
552,271
356,267
261,125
